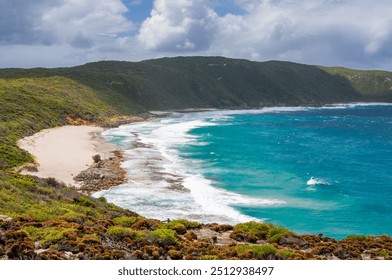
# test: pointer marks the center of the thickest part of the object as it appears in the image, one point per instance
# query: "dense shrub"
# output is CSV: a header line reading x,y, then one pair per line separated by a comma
x,y
118,232
356,237
164,237
276,233
180,226
262,251
124,221
260,230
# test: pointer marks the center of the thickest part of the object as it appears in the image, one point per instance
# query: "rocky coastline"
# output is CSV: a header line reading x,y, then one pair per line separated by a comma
x,y
102,174
132,237
108,232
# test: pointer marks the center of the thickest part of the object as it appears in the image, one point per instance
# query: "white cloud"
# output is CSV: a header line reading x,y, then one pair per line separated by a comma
x,y
84,23
330,32
183,25
62,32
352,33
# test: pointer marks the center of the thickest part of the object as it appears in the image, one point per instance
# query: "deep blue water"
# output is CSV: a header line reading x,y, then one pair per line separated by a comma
x,y
253,157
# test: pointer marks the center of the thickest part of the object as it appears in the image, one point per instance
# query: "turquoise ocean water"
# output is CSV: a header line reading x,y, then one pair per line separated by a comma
x,y
314,170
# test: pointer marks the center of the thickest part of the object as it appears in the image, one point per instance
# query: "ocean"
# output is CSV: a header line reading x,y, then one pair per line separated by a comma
x,y
313,170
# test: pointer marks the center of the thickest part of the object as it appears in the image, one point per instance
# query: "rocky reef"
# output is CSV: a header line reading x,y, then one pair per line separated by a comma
x,y
102,174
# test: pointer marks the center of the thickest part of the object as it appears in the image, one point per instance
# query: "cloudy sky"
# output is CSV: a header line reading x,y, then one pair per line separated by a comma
x,y
53,33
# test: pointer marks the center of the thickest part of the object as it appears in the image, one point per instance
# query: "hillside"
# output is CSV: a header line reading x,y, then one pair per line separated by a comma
x,y
205,82
44,219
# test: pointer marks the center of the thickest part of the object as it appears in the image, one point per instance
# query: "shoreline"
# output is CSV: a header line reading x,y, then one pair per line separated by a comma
x,y
63,152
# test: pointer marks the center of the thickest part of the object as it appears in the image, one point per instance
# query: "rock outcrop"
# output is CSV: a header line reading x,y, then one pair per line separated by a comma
x,y
102,174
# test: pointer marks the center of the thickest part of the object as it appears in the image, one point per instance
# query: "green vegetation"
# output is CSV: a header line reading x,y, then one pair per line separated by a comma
x,y
164,237
368,83
25,196
124,221
356,237
205,82
60,219
276,233
383,254
47,235
121,232
209,258
180,226
258,251
29,105
260,230
285,254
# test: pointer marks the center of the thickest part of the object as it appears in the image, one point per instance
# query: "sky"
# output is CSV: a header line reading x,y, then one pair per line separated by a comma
x,y
57,33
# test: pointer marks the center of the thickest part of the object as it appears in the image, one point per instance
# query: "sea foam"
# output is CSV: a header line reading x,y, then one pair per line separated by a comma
x,y
163,184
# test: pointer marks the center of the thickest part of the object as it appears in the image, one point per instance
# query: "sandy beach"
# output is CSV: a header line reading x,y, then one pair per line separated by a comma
x,y
64,152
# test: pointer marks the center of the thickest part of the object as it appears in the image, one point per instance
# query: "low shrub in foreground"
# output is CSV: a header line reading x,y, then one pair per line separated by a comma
x,y
276,233
124,221
260,230
356,237
256,251
164,237
180,226
118,232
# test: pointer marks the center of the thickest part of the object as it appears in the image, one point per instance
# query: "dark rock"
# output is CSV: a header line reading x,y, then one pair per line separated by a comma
x,y
242,236
292,240
97,158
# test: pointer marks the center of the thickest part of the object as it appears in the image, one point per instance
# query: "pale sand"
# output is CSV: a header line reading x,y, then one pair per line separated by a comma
x,y
64,152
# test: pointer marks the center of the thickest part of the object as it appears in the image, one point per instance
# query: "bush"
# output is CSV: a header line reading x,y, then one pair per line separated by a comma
x,y
120,232
84,201
187,224
262,251
47,235
209,258
124,221
181,226
177,227
356,237
145,224
383,253
242,236
286,254
164,237
175,255
260,230
276,233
